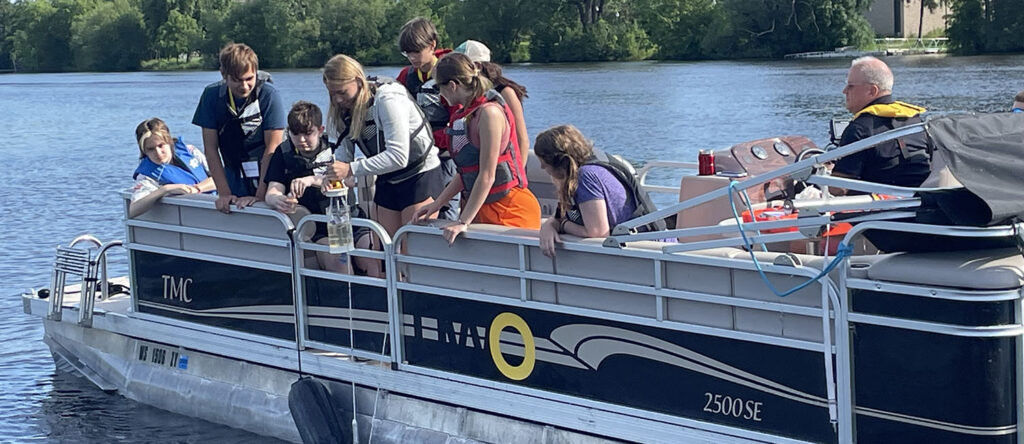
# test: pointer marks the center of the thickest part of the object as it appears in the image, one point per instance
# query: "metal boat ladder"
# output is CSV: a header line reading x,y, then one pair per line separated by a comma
x,y
80,262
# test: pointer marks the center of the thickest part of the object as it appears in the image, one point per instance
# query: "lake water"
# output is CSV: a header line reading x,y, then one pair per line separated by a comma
x,y
70,148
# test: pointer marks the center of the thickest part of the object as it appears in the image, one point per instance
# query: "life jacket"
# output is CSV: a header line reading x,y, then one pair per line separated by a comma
x,y
296,165
625,174
184,167
914,150
896,109
509,172
242,130
372,141
427,96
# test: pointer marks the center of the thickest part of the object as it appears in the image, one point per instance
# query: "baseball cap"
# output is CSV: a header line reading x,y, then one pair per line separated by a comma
x,y
475,50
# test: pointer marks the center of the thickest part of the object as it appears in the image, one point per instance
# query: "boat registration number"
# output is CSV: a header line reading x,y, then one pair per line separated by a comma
x,y
735,407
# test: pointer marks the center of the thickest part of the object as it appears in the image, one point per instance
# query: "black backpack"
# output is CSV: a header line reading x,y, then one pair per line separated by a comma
x,y
626,175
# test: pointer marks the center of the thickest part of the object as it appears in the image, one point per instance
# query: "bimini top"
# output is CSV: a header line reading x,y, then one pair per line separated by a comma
x,y
985,153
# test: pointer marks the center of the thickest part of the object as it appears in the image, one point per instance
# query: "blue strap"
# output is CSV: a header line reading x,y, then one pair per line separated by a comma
x,y
843,252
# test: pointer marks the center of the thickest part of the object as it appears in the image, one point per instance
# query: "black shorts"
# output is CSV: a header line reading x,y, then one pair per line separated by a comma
x,y
416,189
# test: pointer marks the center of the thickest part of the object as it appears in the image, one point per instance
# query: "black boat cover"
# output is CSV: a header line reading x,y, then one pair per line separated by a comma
x,y
985,152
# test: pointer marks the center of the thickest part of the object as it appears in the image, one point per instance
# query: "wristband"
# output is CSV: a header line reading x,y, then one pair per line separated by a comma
x,y
561,225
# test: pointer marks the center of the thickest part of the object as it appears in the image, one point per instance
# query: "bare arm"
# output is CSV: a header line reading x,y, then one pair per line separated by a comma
x,y
271,138
454,187
278,199
206,185
211,148
516,106
595,220
143,204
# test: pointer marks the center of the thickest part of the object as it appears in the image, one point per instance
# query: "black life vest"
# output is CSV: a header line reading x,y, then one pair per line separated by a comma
x,y
905,161
622,171
427,95
242,130
296,165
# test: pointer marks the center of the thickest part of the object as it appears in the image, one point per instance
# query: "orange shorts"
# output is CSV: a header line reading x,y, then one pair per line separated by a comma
x,y
519,208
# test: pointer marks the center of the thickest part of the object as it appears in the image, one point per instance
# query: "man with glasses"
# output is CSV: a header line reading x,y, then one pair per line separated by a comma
x,y
1018,103
902,162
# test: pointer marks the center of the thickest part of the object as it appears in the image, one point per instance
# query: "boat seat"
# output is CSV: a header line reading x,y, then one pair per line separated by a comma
x,y
638,271
996,269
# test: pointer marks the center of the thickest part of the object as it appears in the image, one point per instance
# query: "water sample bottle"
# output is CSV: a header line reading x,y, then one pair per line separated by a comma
x,y
339,224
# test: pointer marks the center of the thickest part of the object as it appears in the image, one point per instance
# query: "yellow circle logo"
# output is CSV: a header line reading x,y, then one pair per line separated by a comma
x,y
523,370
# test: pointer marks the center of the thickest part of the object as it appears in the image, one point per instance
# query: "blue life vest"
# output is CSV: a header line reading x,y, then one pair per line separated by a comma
x,y
173,173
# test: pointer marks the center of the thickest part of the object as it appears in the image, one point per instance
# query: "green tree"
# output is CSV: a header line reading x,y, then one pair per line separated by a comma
x,y
772,28
92,32
266,26
677,27
180,34
979,26
503,26
212,17
8,16
354,27
42,41
154,15
566,35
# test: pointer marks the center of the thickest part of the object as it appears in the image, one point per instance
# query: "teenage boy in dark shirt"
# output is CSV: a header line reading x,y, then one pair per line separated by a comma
x,y
243,121
418,42
295,175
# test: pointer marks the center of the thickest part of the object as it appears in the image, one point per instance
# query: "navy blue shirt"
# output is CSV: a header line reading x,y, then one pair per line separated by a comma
x,y
235,143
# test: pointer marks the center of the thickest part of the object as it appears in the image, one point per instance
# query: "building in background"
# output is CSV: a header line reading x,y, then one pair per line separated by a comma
x,y
900,18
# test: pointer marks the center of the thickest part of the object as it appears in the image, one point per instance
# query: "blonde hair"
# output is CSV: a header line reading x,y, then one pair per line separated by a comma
x,y
342,68
457,67
152,128
564,149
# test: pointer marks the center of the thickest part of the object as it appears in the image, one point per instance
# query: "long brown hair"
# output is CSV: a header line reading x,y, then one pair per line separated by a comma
x,y
459,68
564,149
342,68
493,72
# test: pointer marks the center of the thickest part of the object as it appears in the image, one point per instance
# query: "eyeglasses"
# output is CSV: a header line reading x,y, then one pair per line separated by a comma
x,y
1017,110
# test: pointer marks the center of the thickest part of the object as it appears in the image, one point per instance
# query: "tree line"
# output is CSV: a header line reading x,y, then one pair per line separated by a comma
x,y
126,35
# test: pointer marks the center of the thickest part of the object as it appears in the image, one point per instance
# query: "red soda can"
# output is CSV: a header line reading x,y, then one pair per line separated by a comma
x,y
706,163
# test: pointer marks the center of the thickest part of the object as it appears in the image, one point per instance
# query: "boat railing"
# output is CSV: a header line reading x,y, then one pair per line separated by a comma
x,y
717,292
321,311
81,262
645,171
88,301
907,287
713,292
173,244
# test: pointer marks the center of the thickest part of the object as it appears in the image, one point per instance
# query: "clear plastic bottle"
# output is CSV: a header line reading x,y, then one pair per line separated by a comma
x,y
339,225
